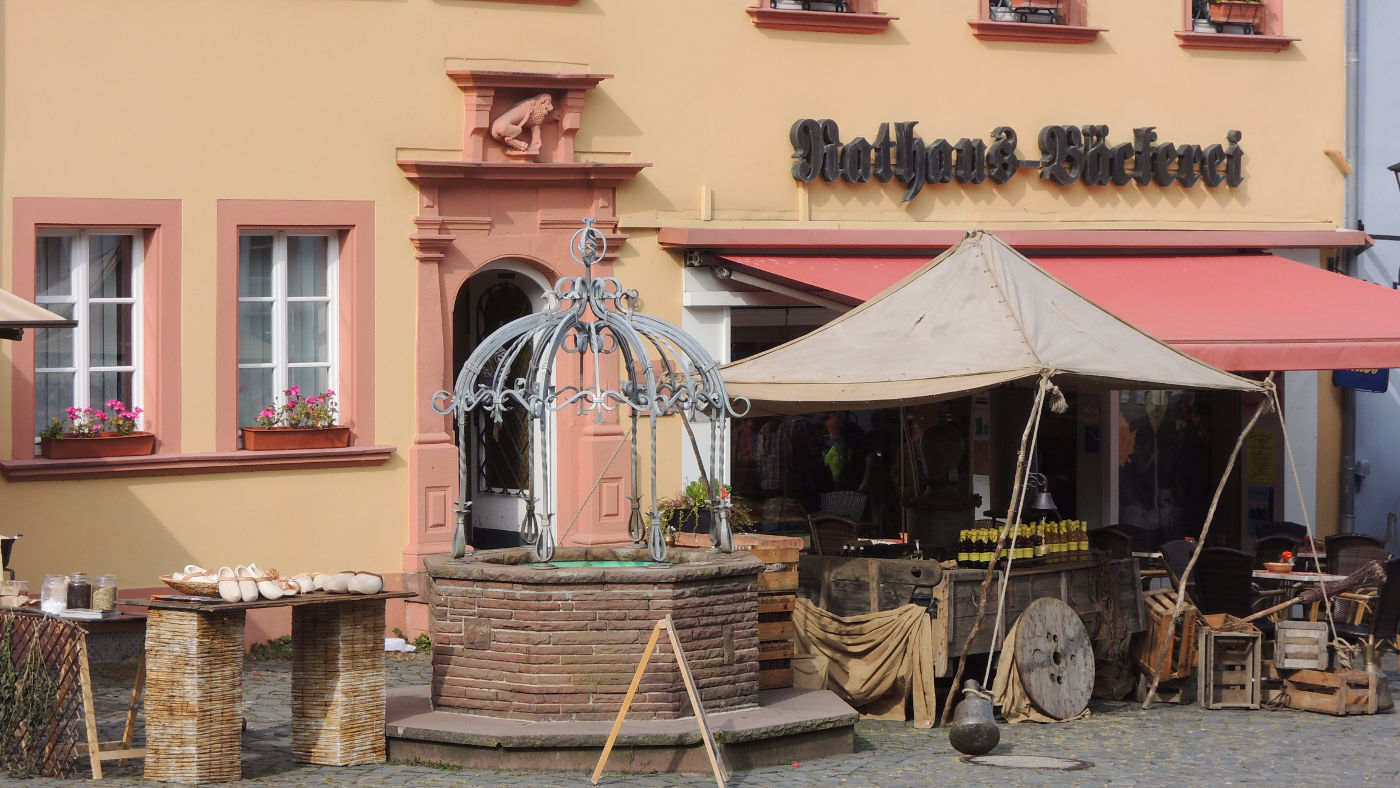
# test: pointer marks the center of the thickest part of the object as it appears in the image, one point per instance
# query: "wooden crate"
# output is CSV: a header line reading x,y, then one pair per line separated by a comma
x,y
1341,692
1301,645
777,586
1229,669
1179,660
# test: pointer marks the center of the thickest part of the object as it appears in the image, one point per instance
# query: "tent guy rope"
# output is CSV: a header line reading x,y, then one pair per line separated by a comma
x,y
1161,656
1011,512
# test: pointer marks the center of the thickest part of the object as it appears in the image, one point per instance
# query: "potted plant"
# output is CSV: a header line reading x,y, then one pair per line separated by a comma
x,y
690,512
95,432
1236,12
298,423
1053,11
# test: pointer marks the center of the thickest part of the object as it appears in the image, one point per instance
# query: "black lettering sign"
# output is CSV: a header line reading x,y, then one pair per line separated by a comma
x,y
970,161
884,150
1001,156
855,161
938,161
1068,154
909,164
1097,158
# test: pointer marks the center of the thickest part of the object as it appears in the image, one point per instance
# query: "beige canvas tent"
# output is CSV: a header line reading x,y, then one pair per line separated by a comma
x,y
17,314
979,315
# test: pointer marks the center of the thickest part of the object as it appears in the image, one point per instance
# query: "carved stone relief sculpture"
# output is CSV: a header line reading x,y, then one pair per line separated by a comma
x,y
529,114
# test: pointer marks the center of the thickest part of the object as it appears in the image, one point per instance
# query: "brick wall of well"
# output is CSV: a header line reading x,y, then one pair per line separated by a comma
x,y
552,652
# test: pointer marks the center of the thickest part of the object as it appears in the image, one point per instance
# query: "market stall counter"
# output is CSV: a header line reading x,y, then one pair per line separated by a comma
x,y
194,683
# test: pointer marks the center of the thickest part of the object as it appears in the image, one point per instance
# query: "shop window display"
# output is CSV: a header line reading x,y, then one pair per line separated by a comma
x,y
1165,476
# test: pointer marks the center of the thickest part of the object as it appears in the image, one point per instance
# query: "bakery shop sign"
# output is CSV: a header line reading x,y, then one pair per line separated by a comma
x,y
1067,154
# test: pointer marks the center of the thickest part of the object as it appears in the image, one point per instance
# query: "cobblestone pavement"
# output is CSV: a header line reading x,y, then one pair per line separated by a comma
x,y
1165,746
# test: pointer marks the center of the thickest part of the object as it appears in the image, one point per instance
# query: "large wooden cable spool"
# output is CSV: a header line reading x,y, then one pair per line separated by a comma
x,y
1054,658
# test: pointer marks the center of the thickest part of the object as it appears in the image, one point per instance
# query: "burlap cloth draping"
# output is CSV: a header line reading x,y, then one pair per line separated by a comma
x,y
871,658
1007,692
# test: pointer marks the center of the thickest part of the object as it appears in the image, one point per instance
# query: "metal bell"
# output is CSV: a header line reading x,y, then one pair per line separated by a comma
x,y
974,731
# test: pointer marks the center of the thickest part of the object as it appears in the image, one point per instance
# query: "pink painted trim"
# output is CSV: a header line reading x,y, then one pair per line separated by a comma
x,y
530,80
819,21
355,220
186,464
160,313
607,174
1233,43
922,240
986,30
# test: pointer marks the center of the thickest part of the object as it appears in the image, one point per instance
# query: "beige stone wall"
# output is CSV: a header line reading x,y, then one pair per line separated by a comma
x,y
201,100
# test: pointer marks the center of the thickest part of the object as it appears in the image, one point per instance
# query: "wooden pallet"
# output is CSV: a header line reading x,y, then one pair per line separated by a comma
x,y
777,596
1340,693
1229,670
1179,660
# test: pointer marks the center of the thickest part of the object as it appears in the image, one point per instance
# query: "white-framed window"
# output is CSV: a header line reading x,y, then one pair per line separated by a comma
x,y
92,276
287,316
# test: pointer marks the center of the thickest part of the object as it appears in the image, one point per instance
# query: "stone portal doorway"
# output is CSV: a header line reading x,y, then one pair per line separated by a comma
x,y
503,473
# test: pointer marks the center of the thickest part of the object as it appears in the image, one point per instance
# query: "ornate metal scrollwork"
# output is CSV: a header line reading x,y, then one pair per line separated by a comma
x,y
663,371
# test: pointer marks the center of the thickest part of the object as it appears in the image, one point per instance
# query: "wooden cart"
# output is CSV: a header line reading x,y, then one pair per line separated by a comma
x,y
851,586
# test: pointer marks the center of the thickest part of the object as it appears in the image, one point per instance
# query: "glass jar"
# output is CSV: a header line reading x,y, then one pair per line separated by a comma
x,y
104,593
79,591
53,596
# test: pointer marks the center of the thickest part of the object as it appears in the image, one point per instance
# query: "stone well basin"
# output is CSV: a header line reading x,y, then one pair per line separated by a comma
x,y
520,640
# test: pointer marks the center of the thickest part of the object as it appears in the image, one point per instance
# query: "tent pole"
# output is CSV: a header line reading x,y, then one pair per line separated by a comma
x,y
1200,545
1001,538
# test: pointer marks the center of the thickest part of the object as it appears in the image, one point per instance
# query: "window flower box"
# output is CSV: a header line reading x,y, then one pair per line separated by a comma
x,y
76,446
283,438
1237,12
298,423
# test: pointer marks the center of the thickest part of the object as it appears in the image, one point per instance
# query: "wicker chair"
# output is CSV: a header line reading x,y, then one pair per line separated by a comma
x,y
1268,549
1144,540
1298,532
844,503
1111,540
1224,581
831,533
1176,554
1347,553
1384,618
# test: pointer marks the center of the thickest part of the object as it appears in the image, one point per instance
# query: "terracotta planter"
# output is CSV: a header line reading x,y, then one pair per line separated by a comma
x,y
107,444
1236,12
282,438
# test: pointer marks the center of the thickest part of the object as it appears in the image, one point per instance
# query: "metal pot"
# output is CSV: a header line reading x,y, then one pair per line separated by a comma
x,y
974,731
1372,650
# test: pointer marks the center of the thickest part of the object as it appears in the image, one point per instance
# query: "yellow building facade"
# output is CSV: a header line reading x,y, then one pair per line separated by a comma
x,y
196,126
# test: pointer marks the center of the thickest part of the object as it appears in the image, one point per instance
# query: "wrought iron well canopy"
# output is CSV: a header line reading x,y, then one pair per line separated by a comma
x,y
661,371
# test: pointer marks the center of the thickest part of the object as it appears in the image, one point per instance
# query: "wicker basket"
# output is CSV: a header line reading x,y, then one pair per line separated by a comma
x,y
193,589
211,589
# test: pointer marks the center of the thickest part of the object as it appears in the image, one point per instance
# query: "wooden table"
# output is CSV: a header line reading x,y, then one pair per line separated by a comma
x,y
1297,577
99,751
194,683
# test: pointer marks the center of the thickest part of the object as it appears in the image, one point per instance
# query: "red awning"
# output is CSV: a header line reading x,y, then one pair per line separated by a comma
x,y
1238,312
